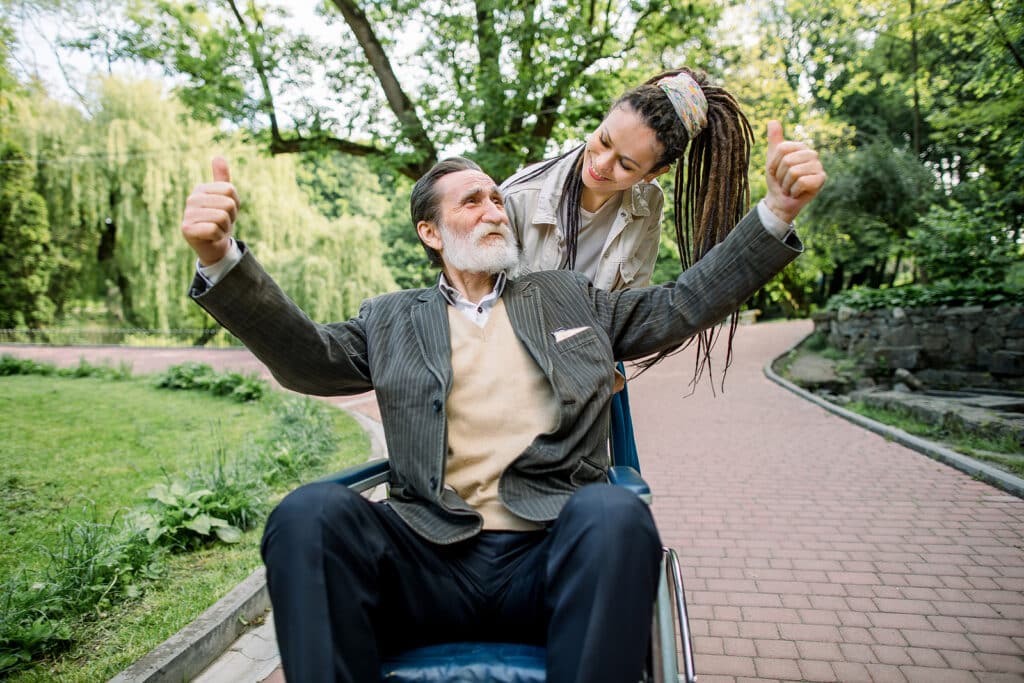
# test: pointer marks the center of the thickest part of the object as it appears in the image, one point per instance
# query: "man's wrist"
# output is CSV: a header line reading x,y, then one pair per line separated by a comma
x,y
771,221
217,270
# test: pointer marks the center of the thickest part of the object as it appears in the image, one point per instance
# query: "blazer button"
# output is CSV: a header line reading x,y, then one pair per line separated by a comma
x,y
433,482
438,404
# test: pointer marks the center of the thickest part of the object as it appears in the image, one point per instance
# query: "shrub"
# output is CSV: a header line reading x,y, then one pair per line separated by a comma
x,y
202,377
941,294
183,519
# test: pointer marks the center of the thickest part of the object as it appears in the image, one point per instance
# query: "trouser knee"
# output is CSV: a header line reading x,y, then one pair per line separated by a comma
x,y
298,520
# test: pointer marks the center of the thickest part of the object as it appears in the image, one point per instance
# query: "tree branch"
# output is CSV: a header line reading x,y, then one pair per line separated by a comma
x,y
281,145
399,102
267,102
1002,34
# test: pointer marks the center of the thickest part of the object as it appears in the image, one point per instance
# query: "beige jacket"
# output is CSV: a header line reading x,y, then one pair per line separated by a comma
x,y
630,249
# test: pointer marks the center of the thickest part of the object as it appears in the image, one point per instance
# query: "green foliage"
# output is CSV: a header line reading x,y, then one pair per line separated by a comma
x,y
940,294
183,519
26,258
300,439
94,566
200,376
961,244
11,365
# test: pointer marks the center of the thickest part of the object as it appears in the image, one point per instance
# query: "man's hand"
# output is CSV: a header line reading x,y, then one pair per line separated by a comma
x,y
794,173
210,211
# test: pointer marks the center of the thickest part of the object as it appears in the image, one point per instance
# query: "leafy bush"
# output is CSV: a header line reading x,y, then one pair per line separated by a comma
x,y
186,376
238,493
10,365
202,377
941,294
959,244
184,519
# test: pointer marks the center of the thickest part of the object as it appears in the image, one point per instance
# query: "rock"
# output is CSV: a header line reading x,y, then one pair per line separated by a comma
x,y
1008,363
866,383
901,388
899,356
907,377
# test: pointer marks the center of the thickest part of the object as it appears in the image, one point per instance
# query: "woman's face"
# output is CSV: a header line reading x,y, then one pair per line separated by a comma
x,y
621,153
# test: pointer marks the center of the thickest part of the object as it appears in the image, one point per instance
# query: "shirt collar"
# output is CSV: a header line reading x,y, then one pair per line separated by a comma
x,y
455,297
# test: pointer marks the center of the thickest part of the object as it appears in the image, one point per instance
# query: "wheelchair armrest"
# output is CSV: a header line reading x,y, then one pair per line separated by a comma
x,y
627,477
363,476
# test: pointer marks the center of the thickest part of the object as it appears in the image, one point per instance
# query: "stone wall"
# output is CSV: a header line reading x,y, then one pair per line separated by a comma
x,y
944,346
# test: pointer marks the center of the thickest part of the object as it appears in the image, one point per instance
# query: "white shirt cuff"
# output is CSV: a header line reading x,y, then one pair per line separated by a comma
x,y
772,223
215,271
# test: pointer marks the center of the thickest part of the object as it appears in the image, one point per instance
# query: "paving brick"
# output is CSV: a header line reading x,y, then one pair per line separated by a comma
x,y
904,606
812,670
708,645
819,651
900,621
986,677
724,665
739,647
947,624
961,660
926,657
934,639
1000,627
995,644
1001,663
776,649
785,669
759,630
770,614
852,672
888,636
727,629
918,674
888,654
815,632
856,652
883,673
854,619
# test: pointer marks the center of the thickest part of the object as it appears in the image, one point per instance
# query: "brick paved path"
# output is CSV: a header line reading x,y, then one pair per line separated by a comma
x,y
812,549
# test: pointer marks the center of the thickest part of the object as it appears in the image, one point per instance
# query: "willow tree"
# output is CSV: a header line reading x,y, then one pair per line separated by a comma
x,y
115,180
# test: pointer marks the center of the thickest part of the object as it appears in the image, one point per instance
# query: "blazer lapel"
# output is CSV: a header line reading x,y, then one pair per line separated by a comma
x,y
524,310
430,321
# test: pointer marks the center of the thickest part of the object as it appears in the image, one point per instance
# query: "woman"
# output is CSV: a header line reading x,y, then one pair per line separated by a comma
x,y
598,210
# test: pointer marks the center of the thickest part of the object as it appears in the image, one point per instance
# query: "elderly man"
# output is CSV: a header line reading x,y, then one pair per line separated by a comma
x,y
494,395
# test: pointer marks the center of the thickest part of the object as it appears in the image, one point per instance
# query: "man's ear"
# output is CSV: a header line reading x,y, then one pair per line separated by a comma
x,y
656,172
429,234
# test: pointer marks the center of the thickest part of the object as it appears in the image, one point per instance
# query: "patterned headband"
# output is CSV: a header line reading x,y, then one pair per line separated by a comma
x,y
688,100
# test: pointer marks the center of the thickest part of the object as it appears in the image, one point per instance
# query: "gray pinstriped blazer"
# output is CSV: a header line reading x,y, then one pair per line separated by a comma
x,y
399,346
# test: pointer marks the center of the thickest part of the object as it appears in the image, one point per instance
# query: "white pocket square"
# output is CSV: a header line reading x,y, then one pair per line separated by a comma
x,y
563,334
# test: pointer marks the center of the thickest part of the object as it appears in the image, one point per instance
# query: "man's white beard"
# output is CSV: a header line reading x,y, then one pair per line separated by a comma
x,y
469,254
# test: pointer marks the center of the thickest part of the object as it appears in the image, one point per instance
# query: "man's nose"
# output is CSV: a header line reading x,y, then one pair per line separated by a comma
x,y
494,213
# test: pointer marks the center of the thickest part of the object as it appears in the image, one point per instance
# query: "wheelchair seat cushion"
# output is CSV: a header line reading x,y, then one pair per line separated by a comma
x,y
467,663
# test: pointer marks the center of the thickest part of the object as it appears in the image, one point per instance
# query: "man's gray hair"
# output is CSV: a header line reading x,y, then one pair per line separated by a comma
x,y
425,205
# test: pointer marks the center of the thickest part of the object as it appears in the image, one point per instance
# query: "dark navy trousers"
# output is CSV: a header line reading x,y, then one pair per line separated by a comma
x,y
350,583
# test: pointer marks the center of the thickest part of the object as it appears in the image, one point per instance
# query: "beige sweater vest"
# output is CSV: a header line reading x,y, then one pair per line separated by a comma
x,y
500,401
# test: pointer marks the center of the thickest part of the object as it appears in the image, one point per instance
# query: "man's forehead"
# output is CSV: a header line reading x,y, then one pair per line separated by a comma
x,y
462,183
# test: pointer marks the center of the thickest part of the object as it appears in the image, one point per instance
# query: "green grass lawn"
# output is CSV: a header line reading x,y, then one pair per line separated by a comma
x,y
88,448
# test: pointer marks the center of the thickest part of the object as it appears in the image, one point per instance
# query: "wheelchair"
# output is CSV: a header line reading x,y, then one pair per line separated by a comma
x,y
670,655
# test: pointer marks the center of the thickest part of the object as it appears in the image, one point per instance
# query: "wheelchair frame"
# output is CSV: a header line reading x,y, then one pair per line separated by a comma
x,y
670,659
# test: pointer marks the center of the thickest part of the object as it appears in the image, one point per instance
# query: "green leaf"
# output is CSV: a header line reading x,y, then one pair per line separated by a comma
x,y
228,534
200,524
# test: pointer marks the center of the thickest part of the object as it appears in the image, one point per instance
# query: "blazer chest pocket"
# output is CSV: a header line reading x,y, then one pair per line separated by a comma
x,y
574,338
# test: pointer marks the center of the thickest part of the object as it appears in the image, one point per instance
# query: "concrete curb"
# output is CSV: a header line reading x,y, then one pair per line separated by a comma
x,y
190,650
980,470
